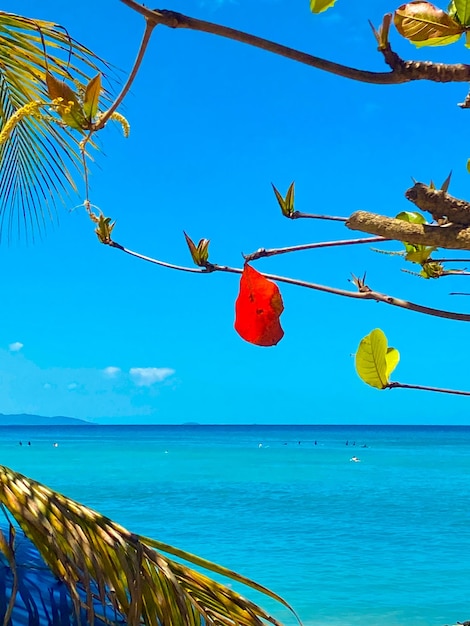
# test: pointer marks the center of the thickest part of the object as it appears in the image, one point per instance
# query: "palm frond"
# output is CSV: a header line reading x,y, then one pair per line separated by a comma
x,y
99,560
40,160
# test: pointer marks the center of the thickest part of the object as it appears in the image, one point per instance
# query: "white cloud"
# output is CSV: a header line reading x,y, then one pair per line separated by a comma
x,y
111,371
15,346
147,376
72,386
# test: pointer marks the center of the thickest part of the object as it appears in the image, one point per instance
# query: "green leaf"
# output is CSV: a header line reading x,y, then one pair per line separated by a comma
x,y
92,97
419,254
318,6
462,10
425,25
374,360
452,11
412,217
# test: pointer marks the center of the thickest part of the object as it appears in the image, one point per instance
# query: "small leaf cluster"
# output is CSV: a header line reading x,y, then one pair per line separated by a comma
x,y
422,23
76,111
199,253
287,203
416,253
104,227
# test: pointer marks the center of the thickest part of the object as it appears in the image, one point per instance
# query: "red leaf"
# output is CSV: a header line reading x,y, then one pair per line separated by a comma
x,y
258,308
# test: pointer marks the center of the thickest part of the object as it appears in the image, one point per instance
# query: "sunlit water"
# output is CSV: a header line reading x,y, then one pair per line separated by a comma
x,y
382,541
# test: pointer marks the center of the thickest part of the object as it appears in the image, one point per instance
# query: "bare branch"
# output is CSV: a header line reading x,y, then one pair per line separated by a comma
x,y
447,236
296,215
403,71
364,292
446,261
425,388
262,252
171,266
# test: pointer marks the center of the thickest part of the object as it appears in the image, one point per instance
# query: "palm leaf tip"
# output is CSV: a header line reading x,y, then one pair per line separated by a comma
x,y
109,570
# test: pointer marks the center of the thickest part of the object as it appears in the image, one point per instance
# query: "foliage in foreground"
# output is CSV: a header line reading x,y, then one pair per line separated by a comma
x,y
128,575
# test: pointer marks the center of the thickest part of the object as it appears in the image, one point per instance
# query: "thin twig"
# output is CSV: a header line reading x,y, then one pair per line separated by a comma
x,y
149,26
403,72
296,215
180,268
364,292
425,388
262,252
446,261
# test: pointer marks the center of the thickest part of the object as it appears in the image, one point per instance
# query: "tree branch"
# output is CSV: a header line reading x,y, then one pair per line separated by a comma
x,y
364,292
440,204
425,388
447,236
297,215
262,252
403,71
149,259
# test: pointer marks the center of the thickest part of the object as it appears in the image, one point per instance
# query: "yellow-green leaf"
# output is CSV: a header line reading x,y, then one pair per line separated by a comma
x,y
374,360
391,361
462,11
92,96
426,25
318,6
418,253
412,217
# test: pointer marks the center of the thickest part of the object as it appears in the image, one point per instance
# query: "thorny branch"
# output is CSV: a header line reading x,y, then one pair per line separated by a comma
x,y
442,206
402,71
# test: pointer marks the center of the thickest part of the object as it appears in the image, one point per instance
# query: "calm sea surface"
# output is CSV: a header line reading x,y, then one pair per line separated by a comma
x,y
384,541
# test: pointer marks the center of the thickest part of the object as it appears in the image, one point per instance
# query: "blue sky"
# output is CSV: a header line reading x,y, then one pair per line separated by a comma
x,y
92,333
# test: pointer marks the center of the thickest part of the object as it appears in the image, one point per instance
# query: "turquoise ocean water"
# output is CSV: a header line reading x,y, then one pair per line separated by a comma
x,y
384,541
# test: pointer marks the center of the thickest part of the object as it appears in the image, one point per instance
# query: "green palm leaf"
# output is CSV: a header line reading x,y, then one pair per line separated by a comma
x,y
40,159
128,573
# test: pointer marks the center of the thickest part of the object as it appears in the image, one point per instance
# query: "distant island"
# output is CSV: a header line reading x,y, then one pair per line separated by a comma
x,y
23,419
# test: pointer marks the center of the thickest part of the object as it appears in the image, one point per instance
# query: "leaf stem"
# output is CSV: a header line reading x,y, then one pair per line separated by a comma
x,y
426,388
150,24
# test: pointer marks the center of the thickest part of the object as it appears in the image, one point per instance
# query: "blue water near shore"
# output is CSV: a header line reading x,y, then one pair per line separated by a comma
x,y
382,541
